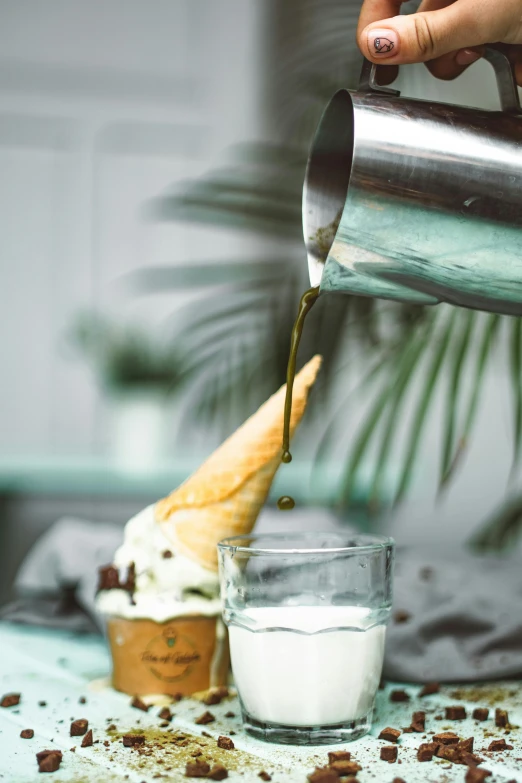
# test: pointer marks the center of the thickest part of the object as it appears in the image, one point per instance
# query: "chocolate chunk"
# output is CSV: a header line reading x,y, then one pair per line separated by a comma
x,y
323,775
499,744
501,718
165,714
344,768
212,698
42,704
401,616
446,738
87,741
398,780
48,760
466,744
426,751
455,713
197,769
389,753
138,704
207,717
218,772
177,696
79,727
82,700
418,721
10,700
167,554
480,713
399,696
339,755
112,727
42,754
429,689
474,775
230,714
448,752
106,743
225,743
206,734
264,776
50,763
470,759
389,734
131,740
108,578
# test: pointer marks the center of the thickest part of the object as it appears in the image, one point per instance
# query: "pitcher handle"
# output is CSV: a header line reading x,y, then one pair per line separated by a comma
x,y
505,74
368,82
494,54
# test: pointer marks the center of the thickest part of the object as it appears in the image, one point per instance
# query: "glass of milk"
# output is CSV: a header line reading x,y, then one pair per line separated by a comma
x,y
306,614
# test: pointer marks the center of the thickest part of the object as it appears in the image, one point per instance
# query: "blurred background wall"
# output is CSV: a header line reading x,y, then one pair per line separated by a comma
x,y
106,107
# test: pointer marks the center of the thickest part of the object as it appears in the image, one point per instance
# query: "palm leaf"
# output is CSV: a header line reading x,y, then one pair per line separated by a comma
x,y
516,384
491,325
397,398
420,416
460,353
406,366
502,529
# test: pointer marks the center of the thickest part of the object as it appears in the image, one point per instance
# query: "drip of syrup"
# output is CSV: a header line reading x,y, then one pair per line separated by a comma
x,y
308,300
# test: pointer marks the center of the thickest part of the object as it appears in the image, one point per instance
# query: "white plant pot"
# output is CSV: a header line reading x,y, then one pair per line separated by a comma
x,y
138,437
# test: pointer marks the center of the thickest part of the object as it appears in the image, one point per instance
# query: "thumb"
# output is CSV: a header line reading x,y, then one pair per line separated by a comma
x,y
424,36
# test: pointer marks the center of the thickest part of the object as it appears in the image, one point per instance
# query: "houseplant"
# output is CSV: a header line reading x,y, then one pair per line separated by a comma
x,y
137,375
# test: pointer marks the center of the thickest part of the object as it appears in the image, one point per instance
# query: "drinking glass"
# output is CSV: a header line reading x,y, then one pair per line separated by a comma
x,y
306,614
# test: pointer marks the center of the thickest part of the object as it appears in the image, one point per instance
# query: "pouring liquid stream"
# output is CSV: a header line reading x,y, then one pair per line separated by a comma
x,y
308,300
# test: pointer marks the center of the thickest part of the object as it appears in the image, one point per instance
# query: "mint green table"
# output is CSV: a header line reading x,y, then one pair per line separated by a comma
x,y
59,668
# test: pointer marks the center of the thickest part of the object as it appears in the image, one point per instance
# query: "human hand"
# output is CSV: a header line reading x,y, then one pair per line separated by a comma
x,y
448,35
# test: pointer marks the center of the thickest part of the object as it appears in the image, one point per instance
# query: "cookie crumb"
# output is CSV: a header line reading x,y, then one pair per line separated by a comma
x,y
225,743
88,740
389,753
398,696
389,734
138,704
207,717
79,727
10,699
456,712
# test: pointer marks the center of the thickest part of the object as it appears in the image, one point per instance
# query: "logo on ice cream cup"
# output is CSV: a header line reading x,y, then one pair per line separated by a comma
x,y
170,657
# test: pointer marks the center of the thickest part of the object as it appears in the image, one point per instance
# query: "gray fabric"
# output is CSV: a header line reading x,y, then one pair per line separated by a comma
x,y
465,617
63,563
461,615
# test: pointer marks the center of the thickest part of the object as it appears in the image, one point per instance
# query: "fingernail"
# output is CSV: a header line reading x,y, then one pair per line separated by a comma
x,y
383,43
467,56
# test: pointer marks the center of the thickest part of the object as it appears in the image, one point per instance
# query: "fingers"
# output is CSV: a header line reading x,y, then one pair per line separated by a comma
x,y
423,36
375,10
386,74
451,65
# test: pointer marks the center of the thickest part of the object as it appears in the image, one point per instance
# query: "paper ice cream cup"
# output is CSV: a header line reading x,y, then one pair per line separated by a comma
x,y
180,656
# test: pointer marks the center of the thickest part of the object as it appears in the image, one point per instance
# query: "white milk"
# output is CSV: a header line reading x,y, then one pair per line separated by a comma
x,y
307,665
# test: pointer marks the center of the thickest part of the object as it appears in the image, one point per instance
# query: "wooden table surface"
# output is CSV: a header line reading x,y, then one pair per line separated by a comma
x,y
60,668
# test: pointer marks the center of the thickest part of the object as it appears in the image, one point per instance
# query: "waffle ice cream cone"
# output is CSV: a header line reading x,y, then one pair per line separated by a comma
x,y
225,495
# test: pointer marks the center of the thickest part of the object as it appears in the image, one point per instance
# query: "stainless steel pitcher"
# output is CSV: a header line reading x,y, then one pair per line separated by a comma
x,y
418,201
